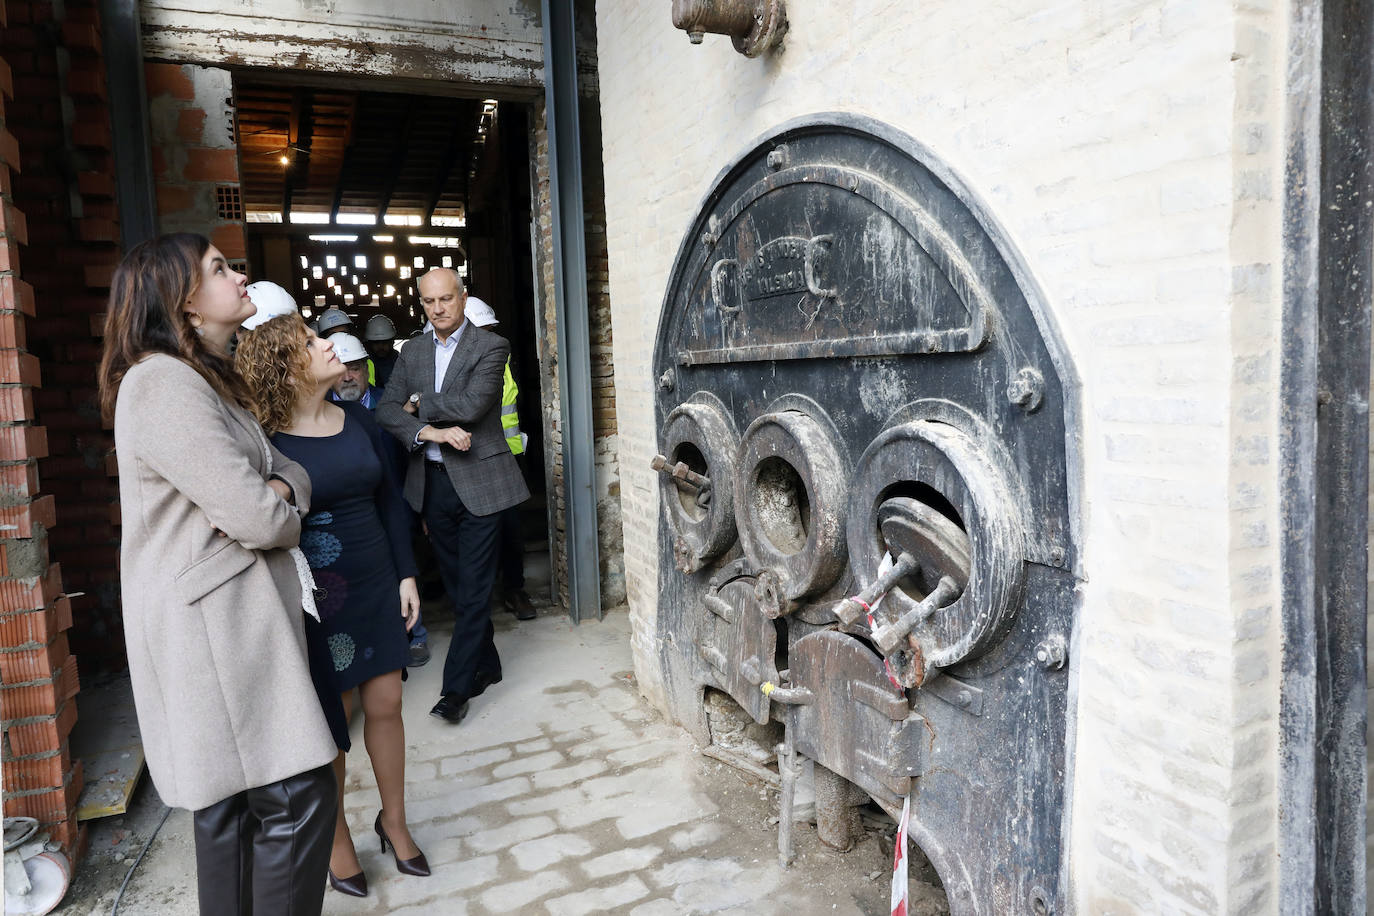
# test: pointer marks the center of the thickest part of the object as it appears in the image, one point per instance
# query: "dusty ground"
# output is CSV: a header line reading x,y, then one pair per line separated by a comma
x,y
563,792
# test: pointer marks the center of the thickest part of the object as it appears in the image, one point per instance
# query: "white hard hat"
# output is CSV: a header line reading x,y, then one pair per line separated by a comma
x,y
272,302
379,327
347,347
479,313
332,318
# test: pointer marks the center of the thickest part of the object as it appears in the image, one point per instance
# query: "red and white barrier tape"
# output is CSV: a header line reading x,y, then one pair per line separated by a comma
x,y
900,899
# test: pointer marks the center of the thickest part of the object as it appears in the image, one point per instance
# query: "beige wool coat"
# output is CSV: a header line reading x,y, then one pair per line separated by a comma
x,y
213,624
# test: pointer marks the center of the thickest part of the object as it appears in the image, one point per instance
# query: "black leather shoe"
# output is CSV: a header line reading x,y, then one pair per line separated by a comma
x,y
482,680
520,606
354,886
451,708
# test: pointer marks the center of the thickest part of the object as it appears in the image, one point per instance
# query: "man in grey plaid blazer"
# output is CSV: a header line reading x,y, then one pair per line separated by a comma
x,y
443,401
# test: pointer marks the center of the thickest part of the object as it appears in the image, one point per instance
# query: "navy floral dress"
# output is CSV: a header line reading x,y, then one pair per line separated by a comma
x,y
357,541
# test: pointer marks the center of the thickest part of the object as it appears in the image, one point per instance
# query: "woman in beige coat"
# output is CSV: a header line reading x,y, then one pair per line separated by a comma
x,y
212,597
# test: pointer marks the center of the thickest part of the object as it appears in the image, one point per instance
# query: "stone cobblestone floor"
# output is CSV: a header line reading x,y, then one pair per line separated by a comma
x,y
562,793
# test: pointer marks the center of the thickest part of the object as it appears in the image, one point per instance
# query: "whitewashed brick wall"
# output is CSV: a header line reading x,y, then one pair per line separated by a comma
x,y
1133,153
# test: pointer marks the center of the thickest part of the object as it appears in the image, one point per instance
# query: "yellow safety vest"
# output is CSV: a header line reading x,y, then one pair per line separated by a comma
x,y
510,420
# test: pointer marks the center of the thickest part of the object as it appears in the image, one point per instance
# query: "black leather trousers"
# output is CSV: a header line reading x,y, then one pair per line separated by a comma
x,y
266,850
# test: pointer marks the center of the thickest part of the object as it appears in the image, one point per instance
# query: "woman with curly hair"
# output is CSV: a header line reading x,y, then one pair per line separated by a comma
x,y
357,539
212,594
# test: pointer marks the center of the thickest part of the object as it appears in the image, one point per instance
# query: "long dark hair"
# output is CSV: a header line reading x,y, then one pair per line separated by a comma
x,y
146,316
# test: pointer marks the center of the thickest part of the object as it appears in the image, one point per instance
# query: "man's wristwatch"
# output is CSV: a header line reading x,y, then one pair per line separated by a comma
x,y
415,399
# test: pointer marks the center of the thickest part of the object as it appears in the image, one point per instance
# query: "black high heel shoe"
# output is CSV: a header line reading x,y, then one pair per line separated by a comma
x,y
355,886
417,865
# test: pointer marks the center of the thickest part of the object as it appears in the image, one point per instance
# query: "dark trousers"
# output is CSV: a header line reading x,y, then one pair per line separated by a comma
x,y
266,850
465,545
512,550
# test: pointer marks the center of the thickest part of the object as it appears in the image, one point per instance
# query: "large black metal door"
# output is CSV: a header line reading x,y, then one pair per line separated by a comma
x,y
868,481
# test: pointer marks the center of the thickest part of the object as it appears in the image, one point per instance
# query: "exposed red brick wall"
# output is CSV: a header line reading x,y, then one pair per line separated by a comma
x,y
58,235
193,151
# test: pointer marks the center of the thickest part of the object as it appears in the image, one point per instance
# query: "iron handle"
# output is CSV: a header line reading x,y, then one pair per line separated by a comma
x,y
719,289
851,609
789,696
819,243
680,472
890,637
721,608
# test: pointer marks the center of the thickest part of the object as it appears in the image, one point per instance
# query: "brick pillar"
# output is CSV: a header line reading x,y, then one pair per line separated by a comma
x,y
195,157
38,677
67,192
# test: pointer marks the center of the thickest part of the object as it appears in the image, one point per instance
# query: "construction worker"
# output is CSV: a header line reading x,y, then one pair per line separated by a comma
x,y
334,320
379,335
353,385
511,544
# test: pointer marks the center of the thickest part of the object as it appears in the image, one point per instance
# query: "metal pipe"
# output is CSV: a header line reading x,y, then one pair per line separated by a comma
x,y
721,17
753,25
789,771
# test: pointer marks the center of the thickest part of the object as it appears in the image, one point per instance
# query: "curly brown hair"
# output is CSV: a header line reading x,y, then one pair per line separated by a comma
x,y
275,363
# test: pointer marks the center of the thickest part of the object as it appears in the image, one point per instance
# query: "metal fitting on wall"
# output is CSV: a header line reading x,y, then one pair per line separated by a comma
x,y
753,25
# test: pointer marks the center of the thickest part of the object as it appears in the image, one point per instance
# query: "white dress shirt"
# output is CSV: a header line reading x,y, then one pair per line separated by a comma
x,y
443,355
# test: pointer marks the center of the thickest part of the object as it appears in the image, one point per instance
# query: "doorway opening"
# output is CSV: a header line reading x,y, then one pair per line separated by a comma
x,y
350,195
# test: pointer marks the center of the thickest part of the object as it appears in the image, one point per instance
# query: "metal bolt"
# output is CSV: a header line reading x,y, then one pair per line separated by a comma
x,y
778,158
1052,653
695,37
686,557
1027,389
711,234
1057,555
668,380
1040,902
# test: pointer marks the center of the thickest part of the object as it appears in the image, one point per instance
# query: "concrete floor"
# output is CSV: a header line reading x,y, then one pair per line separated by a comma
x,y
563,792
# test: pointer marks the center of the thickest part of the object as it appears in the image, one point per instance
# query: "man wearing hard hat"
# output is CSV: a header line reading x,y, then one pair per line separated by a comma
x,y
334,320
353,385
379,335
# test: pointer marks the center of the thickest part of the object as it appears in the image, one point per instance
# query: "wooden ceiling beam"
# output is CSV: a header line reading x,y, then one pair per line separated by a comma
x,y
453,151
398,154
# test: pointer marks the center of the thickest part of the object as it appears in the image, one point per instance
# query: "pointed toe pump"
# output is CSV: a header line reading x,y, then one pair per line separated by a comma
x,y
353,886
416,865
